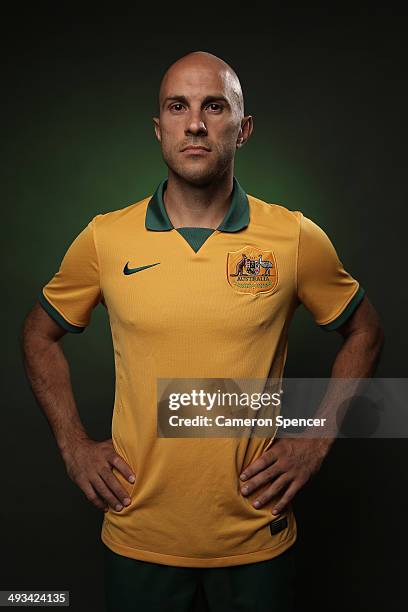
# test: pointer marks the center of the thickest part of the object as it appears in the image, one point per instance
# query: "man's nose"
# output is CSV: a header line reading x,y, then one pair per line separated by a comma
x,y
195,124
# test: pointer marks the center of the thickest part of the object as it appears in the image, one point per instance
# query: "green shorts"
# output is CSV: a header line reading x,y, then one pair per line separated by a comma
x,y
134,586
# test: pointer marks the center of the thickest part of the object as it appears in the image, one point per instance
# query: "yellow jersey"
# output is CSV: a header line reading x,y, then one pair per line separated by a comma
x,y
196,303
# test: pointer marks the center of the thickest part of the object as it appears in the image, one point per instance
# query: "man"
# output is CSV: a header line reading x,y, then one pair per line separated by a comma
x,y
186,511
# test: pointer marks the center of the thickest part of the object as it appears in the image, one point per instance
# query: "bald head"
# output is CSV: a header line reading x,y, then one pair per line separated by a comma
x,y
206,64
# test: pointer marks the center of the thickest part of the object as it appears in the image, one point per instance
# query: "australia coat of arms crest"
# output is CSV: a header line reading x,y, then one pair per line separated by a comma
x,y
252,270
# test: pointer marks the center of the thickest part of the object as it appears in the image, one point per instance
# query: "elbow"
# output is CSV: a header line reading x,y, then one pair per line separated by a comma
x,y
377,333
376,344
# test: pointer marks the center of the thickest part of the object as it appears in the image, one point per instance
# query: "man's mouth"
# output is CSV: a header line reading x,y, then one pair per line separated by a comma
x,y
195,149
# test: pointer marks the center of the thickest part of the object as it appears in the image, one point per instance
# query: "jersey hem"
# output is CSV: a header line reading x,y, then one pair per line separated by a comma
x,y
153,557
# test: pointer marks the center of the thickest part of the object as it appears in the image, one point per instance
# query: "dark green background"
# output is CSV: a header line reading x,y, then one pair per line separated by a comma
x,y
329,100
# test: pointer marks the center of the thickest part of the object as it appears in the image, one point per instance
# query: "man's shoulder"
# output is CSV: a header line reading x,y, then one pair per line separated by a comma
x,y
274,212
132,213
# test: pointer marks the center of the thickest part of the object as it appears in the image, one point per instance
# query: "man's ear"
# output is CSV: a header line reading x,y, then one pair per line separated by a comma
x,y
247,125
156,121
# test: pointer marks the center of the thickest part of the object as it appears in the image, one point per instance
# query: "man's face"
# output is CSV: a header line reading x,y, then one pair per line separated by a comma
x,y
199,107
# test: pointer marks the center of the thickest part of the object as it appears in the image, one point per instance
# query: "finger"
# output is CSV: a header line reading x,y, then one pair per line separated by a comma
x,y
264,461
114,485
287,497
262,478
120,464
106,494
271,491
91,495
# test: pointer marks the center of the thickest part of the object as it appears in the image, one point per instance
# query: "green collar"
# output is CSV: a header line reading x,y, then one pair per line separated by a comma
x,y
236,218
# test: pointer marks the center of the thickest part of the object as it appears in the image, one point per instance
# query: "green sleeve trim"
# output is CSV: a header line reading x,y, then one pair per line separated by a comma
x,y
350,308
54,314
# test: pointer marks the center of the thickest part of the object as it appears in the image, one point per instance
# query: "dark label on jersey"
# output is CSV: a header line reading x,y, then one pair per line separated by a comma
x,y
278,525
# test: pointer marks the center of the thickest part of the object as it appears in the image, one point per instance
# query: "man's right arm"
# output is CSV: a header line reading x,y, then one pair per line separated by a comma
x,y
89,463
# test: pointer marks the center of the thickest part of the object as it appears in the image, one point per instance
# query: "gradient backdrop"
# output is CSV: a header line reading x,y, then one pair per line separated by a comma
x,y
329,100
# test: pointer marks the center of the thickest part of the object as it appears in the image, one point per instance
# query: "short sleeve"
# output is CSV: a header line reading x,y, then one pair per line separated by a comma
x,y
74,291
325,288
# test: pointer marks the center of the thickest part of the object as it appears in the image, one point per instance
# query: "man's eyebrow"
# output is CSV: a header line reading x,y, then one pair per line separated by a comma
x,y
216,98
207,99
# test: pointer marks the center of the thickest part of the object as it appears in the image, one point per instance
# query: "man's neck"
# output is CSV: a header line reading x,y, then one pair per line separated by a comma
x,y
191,206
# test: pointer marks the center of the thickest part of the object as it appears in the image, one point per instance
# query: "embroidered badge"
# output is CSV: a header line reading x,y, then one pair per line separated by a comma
x,y
252,270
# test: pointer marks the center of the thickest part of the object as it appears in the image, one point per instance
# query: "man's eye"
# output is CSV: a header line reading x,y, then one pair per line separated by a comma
x,y
176,107
214,106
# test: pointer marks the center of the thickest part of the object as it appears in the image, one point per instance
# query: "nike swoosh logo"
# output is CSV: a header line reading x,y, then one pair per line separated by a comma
x,y
127,270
